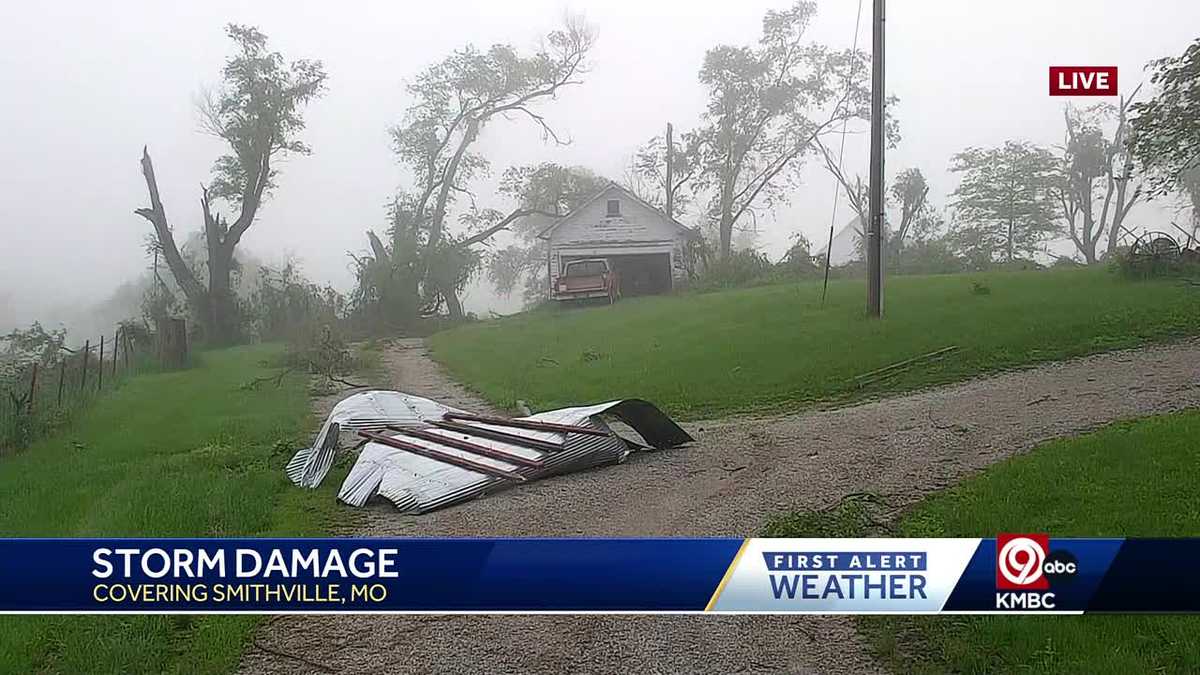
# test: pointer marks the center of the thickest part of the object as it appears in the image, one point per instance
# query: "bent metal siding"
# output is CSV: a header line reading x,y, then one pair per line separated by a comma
x,y
410,467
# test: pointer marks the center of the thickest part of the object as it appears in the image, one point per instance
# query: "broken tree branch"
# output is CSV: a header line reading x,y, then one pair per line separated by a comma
x,y
899,366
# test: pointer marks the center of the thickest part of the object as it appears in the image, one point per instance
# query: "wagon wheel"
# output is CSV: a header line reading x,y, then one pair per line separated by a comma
x,y
1154,247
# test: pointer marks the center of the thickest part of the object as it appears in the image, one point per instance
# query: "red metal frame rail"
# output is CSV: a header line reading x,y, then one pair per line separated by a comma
x,y
440,456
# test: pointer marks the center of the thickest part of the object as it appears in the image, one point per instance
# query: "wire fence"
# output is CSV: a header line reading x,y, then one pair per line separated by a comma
x,y
39,396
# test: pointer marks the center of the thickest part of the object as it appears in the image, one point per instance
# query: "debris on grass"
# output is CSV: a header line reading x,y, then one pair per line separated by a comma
x,y
423,455
887,371
591,355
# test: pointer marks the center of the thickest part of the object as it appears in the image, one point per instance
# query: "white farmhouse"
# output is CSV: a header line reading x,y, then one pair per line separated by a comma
x,y
643,244
847,244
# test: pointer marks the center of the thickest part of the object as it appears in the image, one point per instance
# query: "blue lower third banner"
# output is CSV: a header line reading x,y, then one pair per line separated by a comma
x,y
1012,573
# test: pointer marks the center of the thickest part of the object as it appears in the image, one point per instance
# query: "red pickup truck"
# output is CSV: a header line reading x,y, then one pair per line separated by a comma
x,y
588,278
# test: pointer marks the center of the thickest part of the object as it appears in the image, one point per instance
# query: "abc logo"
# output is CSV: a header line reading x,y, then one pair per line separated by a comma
x,y
1024,562
1060,567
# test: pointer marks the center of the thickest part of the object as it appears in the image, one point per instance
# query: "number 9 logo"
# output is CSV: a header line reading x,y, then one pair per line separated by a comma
x,y
1020,561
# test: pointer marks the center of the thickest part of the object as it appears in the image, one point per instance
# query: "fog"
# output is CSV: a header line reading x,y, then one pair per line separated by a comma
x,y
87,84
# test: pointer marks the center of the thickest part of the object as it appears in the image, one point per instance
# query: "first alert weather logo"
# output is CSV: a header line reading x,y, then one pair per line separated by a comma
x,y
849,575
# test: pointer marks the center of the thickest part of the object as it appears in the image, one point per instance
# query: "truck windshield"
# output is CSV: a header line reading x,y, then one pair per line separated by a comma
x,y
587,268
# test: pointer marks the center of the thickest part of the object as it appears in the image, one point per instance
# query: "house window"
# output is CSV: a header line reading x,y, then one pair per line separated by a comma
x,y
614,208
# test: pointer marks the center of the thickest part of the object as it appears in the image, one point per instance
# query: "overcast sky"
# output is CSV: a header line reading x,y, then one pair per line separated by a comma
x,y
87,84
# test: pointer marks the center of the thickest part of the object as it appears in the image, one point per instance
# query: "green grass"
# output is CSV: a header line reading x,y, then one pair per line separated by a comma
x,y
703,355
1138,478
188,453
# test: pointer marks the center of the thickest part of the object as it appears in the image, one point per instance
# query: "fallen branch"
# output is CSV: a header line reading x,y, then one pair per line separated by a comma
x,y
352,385
276,378
900,366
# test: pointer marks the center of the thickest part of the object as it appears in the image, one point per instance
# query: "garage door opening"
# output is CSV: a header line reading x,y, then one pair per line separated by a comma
x,y
640,274
644,274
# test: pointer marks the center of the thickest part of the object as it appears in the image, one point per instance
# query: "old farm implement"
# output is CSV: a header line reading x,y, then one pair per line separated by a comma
x,y
1155,252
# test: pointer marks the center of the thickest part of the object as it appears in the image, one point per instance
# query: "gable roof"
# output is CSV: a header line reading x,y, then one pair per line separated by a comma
x,y
544,234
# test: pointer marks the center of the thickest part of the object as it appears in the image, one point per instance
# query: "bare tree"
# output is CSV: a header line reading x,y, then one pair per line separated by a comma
x,y
854,188
648,172
911,191
1096,171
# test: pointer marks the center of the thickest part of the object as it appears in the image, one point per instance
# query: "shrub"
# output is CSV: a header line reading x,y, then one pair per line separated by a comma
x,y
741,268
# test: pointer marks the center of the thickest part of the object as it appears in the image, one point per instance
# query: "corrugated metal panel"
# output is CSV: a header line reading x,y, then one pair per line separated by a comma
x,y
368,410
416,483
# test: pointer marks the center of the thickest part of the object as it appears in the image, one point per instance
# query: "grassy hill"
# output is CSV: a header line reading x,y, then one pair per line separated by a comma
x,y
701,355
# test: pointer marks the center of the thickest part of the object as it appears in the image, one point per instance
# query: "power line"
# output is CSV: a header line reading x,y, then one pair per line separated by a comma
x,y
837,192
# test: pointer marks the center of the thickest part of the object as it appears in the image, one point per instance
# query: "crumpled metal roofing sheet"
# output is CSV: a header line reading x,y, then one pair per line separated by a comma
x,y
417,484
368,410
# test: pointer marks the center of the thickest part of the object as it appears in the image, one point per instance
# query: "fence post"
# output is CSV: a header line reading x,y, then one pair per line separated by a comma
x,y
62,377
87,347
32,387
127,345
100,366
116,343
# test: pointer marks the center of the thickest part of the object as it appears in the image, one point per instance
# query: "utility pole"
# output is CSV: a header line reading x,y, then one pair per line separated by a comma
x,y
875,201
670,171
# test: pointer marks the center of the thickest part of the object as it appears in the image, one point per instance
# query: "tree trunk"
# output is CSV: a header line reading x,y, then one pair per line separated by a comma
x,y
726,227
221,314
1010,241
157,216
453,304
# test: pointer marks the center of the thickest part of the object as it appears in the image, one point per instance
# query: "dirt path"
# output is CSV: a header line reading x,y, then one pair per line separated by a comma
x,y
738,473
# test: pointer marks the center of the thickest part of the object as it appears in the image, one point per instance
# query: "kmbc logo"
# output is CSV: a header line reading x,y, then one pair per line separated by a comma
x,y
1083,80
1021,562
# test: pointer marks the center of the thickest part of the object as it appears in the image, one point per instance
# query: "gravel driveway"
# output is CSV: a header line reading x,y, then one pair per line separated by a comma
x,y
737,474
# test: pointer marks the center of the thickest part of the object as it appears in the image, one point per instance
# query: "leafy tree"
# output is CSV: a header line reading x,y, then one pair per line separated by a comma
x,y
541,189
1166,128
453,101
928,248
798,261
389,279
1190,187
33,345
1004,205
286,305
1096,170
766,106
257,112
